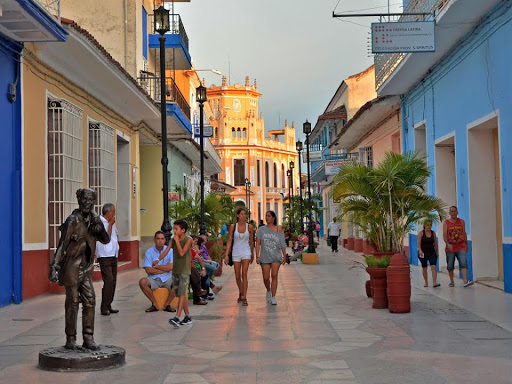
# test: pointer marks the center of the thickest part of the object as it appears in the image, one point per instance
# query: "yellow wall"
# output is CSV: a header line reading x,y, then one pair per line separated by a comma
x,y
361,90
151,189
38,81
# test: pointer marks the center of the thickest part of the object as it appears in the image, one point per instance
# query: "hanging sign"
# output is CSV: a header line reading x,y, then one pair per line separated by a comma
x,y
332,168
207,131
397,37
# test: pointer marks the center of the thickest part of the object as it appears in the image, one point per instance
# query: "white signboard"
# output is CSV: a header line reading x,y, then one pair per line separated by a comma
x,y
332,168
207,131
403,37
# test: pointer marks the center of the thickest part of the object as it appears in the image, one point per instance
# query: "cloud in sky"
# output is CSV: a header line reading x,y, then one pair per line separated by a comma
x,y
295,49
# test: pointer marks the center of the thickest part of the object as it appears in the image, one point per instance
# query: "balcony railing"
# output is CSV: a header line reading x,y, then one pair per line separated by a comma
x,y
176,27
386,63
51,6
172,92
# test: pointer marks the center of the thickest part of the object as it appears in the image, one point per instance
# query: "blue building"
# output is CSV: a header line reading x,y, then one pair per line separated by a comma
x,y
20,21
457,112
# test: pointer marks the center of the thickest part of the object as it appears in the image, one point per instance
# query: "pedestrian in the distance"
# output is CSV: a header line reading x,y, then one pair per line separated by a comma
x,y
317,229
270,254
241,245
428,252
333,232
107,257
454,234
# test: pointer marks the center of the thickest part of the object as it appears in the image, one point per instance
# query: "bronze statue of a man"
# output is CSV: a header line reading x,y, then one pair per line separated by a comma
x,y
72,266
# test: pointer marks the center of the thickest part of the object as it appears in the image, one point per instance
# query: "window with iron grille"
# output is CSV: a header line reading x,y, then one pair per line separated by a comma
x,y
267,175
65,163
275,175
101,163
258,172
366,156
239,172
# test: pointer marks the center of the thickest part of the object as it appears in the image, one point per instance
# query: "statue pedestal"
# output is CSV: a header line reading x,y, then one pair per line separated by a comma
x,y
81,359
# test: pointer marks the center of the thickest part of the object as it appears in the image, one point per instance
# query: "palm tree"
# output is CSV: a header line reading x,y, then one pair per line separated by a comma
x,y
387,201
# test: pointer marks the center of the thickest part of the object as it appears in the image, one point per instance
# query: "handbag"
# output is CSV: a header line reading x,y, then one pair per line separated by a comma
x,y
230,255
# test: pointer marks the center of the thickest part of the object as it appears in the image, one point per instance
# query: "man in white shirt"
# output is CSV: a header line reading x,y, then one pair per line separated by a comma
x,y
333,232
107,257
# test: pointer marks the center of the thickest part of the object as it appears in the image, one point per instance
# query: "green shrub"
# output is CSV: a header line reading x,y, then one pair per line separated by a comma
x,y
374,262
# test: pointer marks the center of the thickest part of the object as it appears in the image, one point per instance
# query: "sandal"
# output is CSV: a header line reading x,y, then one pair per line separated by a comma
x,y
425,286
239,300
437,285
245,303
152,309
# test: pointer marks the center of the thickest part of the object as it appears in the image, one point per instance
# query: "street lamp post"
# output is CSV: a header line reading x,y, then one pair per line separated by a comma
x,y
162,26
201,98
292,166
311,246
298,146
248,196
289,175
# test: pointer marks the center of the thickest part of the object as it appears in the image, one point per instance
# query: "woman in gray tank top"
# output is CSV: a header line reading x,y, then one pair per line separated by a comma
x,y
270,253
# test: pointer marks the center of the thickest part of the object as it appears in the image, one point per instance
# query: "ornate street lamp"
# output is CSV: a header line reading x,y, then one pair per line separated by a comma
x,y
162,26
289,175
292,166
298,146
311,246
201,99
248,196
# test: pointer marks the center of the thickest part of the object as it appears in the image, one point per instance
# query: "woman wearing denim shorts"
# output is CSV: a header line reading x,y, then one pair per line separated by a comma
x,y
428,252
454,234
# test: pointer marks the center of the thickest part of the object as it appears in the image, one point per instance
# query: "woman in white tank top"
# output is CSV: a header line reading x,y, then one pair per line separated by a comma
x,y
241,240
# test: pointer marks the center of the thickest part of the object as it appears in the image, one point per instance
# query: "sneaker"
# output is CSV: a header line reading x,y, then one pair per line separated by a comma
x,y
273,301
175,322
468,283
187,320
268,296
452,284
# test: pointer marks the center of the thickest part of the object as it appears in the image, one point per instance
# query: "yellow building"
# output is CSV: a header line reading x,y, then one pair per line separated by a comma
x,y
239,137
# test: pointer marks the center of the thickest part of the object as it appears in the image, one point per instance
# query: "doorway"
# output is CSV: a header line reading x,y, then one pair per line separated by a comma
x,y
123,203
446,179
485,200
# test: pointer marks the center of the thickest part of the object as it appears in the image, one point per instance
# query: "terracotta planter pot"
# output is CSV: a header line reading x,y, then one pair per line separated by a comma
x,y
378,255
345,243
358,245
399,285
368,288
378,278
219,271
350,243
368,248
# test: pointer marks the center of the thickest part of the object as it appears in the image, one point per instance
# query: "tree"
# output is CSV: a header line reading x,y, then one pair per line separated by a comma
x,y
296,220
387,201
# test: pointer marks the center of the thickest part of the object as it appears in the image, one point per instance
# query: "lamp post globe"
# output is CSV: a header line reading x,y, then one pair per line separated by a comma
x,y
298,146
162,24
201,99
311,245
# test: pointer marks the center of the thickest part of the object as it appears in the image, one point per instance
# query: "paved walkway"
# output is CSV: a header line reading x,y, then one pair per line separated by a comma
x,y
323,330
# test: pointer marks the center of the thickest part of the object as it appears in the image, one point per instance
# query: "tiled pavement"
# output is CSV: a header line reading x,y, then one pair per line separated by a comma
x,y
323,330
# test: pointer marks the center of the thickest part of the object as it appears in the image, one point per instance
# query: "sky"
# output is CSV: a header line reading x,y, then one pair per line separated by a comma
x,y
296,50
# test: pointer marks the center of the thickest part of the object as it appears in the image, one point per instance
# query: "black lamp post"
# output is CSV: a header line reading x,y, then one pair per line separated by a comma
x,y
247,196
298,145
292,166
311,246
289,175
201,98
162,26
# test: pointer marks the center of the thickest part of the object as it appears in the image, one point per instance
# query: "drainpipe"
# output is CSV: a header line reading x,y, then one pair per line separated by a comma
x,y
125,6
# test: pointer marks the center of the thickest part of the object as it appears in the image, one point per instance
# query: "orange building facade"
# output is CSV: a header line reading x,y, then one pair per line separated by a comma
x,y
239,137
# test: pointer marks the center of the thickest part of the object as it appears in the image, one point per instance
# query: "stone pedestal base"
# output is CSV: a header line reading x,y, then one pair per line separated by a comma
x,y
310,258
81,359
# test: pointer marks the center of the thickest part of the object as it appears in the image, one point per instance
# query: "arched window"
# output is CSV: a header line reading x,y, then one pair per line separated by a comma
x,y
239,172
275,175
238,133
267,175
244,133
233,133
283,177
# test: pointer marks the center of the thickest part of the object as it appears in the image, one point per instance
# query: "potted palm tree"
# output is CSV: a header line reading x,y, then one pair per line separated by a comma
x,y
387,201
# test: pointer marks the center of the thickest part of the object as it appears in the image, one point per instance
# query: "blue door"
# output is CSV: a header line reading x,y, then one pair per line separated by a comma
x,y
10,173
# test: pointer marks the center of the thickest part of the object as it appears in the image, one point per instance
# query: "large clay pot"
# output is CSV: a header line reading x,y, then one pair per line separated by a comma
x,y
368,248
378,255
378,281
350,243
368,287
345,243
358,245
399,285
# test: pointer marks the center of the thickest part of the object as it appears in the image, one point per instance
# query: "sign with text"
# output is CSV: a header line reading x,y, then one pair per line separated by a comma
x,y
332,168
173,197
396,37
207,131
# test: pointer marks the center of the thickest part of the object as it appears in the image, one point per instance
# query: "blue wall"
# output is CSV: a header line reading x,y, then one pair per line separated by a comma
x,y
10,175
471,82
